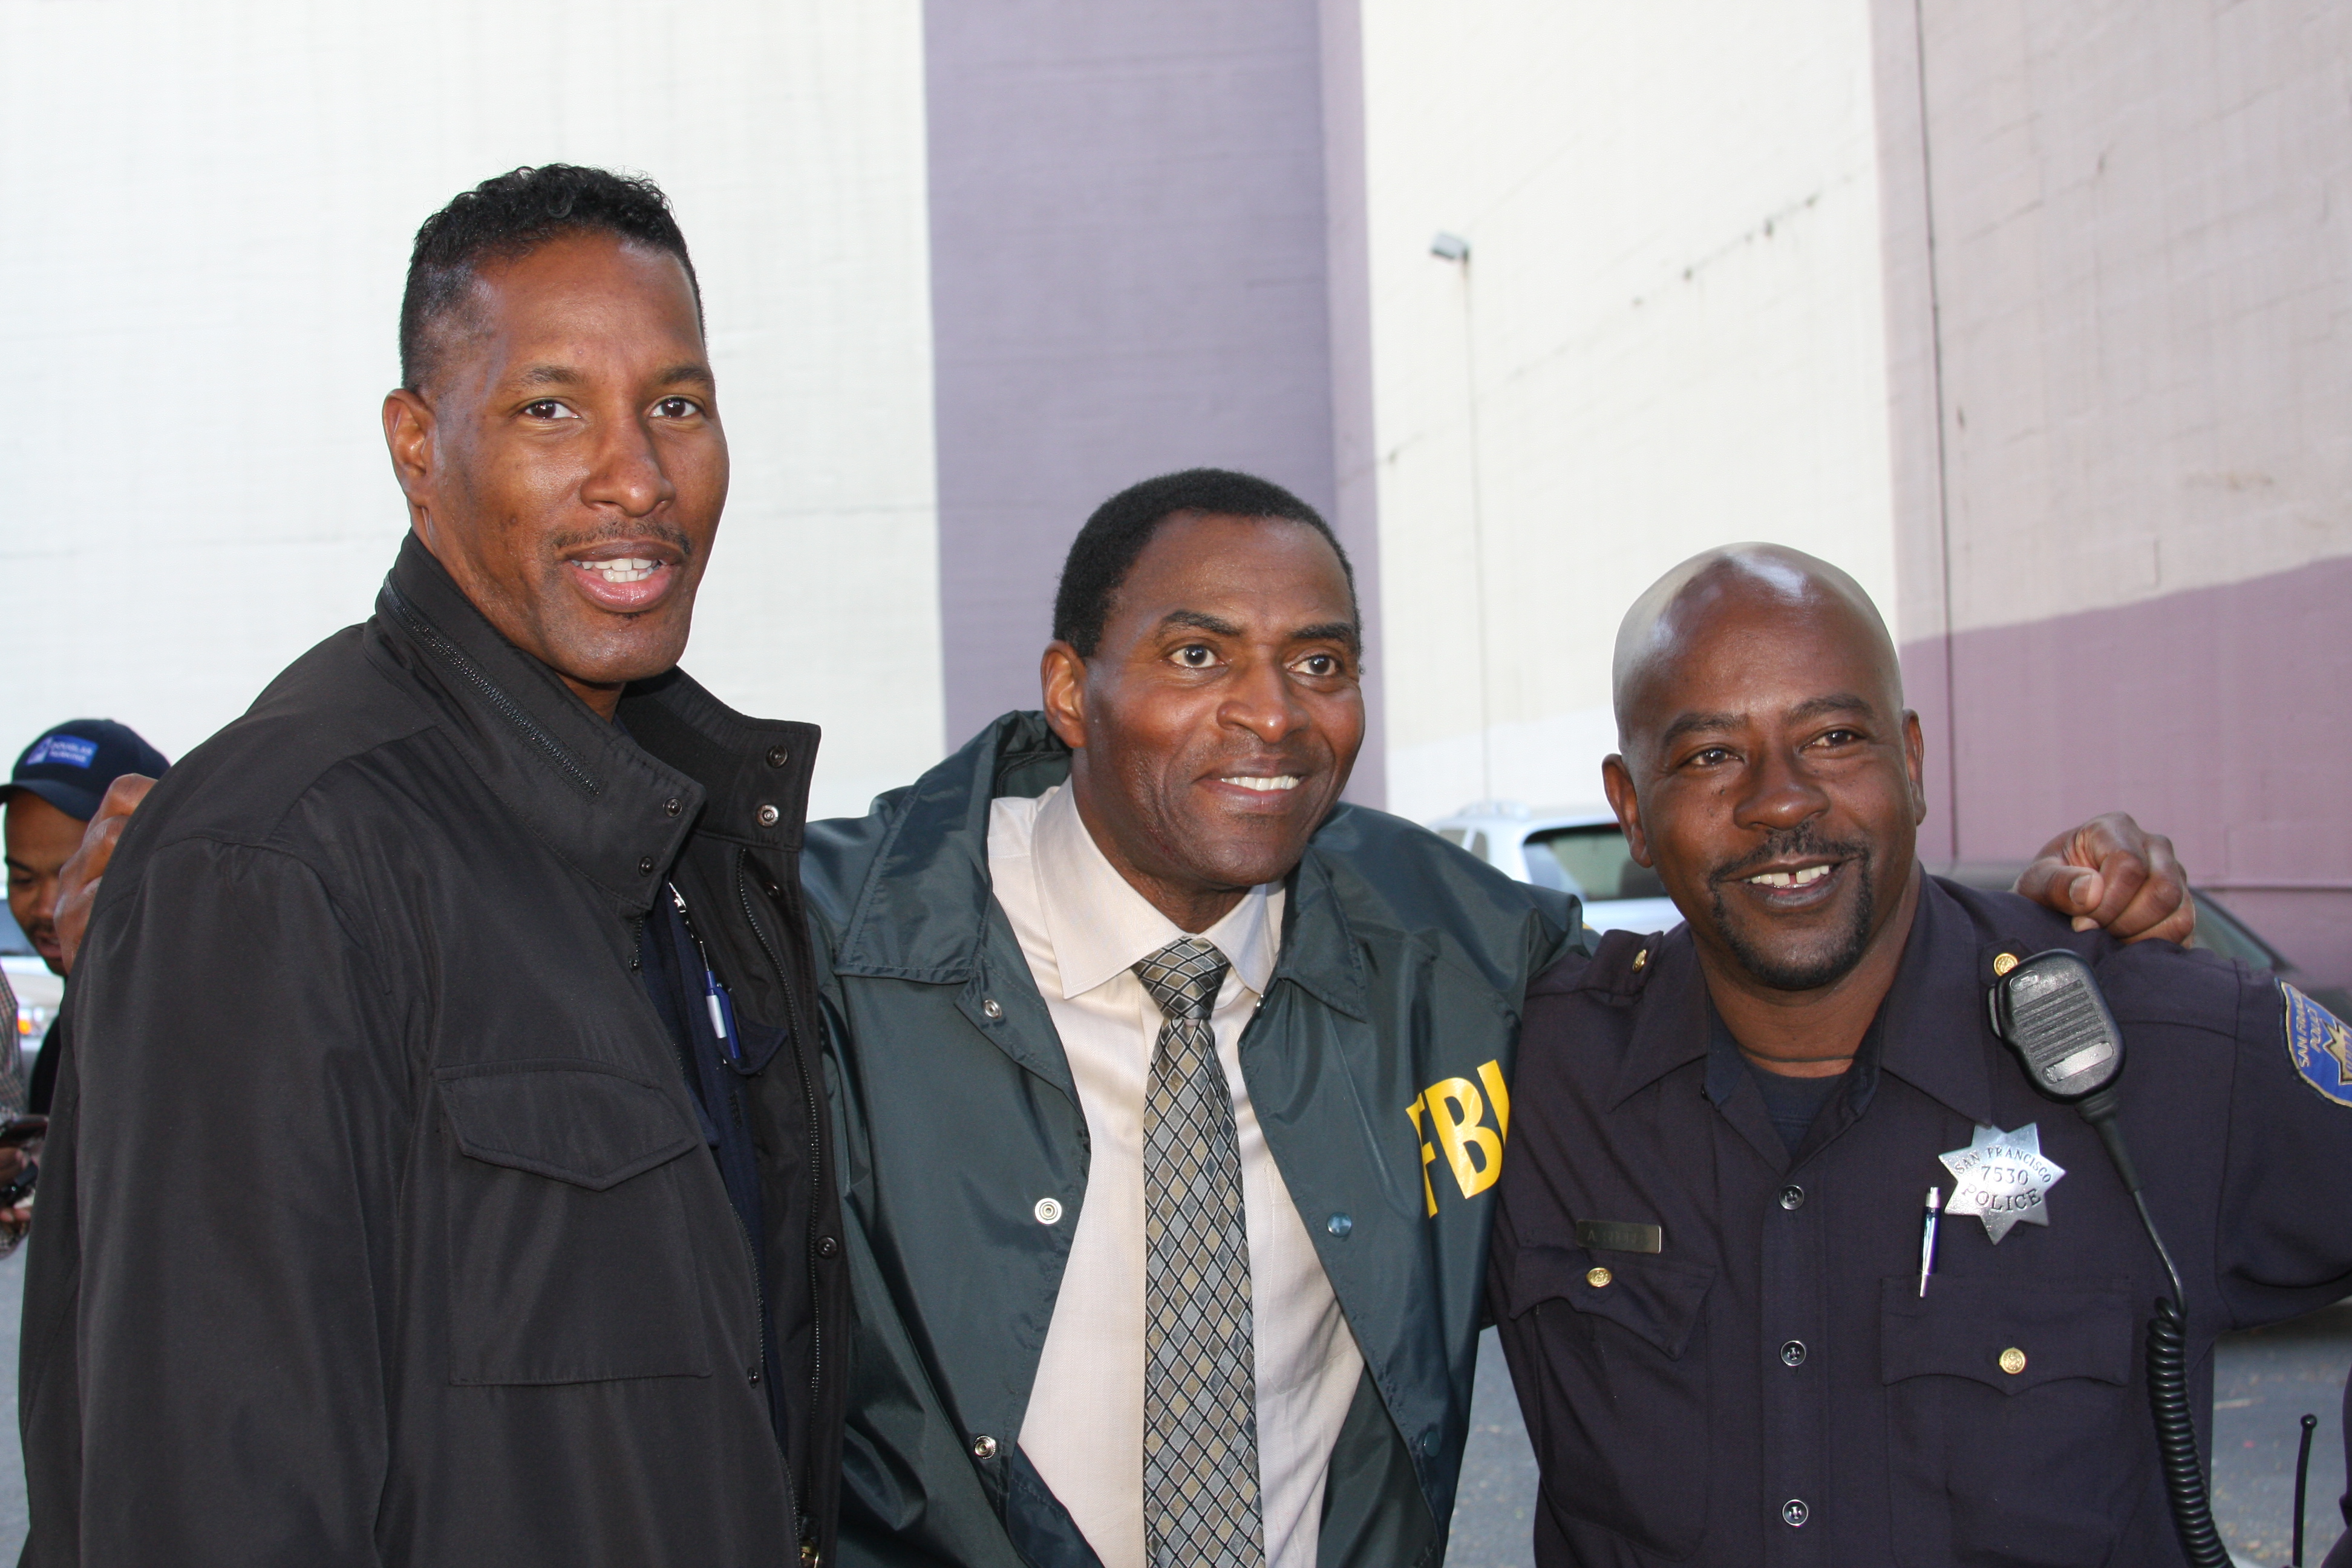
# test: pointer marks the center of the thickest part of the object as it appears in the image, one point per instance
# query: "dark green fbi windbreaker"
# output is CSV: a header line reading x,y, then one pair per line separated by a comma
x,y
1378,1063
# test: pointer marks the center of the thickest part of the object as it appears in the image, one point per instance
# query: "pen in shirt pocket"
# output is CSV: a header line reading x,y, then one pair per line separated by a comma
x,y
1928,1237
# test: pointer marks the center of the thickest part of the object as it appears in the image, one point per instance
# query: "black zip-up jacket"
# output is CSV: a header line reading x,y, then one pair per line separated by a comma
x,y
377,1222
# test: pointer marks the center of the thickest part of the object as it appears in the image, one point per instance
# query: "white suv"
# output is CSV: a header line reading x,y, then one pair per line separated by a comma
x,y
1579,851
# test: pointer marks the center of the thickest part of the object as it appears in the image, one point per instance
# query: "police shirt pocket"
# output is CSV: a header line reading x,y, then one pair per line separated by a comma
x,y
2013,1433
1621,1410
567,1253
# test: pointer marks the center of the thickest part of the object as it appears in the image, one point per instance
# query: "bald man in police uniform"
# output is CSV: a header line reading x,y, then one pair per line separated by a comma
x,y
1707,1261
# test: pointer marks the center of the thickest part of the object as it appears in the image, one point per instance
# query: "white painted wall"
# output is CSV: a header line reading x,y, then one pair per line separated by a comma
x,y
2143,215
1670,331
208,209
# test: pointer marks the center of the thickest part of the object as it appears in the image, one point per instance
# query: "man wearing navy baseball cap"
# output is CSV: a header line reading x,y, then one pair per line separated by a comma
x,y
50,796
70,766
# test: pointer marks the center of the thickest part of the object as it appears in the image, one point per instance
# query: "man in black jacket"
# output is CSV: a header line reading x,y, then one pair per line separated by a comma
x,y
381,1228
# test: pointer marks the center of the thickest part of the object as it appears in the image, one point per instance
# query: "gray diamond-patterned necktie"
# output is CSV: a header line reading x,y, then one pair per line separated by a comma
x,y
1200,1366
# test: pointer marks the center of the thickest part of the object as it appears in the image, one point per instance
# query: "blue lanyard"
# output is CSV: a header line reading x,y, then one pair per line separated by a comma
x,y
714,994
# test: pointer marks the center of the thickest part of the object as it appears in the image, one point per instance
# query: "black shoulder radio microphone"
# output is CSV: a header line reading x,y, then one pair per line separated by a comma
x,y
2048,1010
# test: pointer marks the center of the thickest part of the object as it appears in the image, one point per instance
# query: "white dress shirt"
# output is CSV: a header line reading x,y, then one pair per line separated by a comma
x,y
1081,926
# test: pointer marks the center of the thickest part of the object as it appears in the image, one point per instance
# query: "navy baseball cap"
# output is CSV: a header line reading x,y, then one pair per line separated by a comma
x,y
71,765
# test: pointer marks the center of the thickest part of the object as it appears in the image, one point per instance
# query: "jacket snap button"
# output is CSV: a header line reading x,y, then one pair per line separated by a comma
x,y
673,805
645,867
1793,1513
827,1246
2012,1361
983,1447
1598,1278
768,816
1793,1352
778,756
1792,1197
752,1373
1048,1211
1339,1225
988,1005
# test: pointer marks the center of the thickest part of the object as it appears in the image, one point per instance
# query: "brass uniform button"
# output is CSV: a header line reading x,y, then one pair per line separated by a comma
x,y
2012,1361
2004,963
1641,958
1598,1277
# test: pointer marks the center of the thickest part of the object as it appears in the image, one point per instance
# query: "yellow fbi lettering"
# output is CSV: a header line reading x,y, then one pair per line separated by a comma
x,y
1453,1113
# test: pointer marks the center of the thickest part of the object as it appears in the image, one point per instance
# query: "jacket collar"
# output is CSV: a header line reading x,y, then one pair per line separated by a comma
x,y
754,772
925,907
1931,1025
927,901
1319,951
615,810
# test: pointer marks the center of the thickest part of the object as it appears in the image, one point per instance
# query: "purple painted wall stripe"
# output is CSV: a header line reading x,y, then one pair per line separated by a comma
x,y
2214,715
1127,276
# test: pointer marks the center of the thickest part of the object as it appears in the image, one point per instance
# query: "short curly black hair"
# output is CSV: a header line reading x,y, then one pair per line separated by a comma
x,y
512,215
1107,548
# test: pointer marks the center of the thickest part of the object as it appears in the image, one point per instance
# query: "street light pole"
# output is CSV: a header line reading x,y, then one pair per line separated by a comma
x,y
1453,247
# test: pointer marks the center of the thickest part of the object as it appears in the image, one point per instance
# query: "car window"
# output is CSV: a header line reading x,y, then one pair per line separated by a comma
x,y
2227,935
1592,862
1544,868
1477,845
1453,836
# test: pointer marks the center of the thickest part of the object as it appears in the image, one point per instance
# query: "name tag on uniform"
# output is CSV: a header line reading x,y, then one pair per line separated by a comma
x,y
1619,1235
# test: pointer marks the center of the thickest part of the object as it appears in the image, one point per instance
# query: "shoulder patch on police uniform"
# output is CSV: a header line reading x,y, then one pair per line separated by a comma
x,y
2319,1043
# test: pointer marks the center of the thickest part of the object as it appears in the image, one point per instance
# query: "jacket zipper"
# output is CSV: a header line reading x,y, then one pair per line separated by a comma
x,y
506,707
752,1247
808,1098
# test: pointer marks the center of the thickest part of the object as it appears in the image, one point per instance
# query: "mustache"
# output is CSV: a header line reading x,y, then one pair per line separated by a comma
x,y
1277,759
669,533
1802,840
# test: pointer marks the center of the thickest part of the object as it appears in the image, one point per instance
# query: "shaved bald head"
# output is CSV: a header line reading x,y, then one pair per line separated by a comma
x,y
1768,770
1692,598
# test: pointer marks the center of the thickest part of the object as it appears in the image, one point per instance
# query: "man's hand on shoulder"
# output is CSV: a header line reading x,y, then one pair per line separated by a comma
x,y
78,881
2109,872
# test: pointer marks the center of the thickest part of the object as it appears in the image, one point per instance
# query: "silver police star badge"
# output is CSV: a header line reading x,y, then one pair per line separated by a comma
x,y
2004,1179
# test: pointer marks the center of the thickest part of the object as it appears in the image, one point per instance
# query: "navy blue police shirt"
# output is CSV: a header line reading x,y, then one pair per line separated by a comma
x,y
1760,1380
